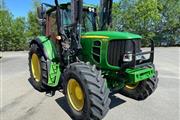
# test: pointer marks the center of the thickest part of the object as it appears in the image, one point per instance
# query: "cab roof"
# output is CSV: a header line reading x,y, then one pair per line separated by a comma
x,y
65,5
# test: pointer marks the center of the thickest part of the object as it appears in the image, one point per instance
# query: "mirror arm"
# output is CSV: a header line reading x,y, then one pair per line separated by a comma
x,y
47,5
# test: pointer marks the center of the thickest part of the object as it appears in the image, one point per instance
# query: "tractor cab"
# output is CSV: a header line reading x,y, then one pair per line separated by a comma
x,y
89,22
88,19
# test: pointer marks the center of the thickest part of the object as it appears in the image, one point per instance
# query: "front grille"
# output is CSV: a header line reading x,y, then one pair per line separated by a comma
x,y
96,51
117,49
114,52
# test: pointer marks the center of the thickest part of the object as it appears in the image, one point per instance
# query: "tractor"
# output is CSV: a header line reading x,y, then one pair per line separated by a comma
x,y
76,54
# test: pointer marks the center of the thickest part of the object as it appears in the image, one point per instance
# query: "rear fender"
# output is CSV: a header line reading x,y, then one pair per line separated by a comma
x,y
51,55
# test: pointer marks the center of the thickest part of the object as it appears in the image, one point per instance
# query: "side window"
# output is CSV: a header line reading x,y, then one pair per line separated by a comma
x,y
88,22
67,17
53,26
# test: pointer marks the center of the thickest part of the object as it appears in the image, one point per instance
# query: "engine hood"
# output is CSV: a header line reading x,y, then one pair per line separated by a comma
x,y
110,35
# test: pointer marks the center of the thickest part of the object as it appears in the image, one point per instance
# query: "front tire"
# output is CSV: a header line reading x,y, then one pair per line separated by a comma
x,y
92,100
141,90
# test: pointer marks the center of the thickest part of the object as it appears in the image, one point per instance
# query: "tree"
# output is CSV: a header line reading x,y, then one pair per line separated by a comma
x,y
19,40
153,19
12,32
137,16
33,23
169,26
5,30
33,26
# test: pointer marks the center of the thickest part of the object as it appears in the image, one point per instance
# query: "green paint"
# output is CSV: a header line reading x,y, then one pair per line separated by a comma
x,y
54,71
114,80
88,44
139,74
54,74
113,35
49,47
132,76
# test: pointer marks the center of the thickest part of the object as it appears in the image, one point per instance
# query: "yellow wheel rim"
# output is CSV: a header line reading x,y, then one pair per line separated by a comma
x,y
131,86
75,95
35,66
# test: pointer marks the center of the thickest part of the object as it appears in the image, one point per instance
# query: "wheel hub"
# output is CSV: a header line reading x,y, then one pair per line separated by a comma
x,y
75,95
35,66
132,86
79,93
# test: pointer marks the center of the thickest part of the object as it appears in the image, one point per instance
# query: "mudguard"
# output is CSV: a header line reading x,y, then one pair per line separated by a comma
x,y
50,53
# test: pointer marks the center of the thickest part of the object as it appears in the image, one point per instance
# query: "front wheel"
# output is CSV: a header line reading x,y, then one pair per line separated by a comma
x,y
141,90
86,92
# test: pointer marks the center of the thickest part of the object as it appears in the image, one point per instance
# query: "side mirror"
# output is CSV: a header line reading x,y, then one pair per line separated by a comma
x,y
41,11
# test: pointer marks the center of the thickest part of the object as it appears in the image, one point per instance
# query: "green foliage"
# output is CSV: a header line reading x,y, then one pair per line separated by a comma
x,y
169,24
153,19
33,24
15,33
5,25
12,32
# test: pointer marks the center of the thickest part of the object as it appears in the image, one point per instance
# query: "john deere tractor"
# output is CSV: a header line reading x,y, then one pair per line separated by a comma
x,y
77,55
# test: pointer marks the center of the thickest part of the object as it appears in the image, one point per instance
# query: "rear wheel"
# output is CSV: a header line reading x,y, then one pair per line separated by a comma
x,y
38,68
141,90
86,92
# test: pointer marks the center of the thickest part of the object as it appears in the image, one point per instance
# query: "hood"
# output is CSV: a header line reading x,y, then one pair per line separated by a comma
x,y
110,35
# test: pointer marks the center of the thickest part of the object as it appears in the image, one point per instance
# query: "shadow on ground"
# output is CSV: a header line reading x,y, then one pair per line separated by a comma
x,y
63,104
30,81
115,101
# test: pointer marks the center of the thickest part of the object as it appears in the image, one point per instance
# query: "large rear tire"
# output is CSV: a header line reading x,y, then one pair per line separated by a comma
x,y
86,92
37,68
141,90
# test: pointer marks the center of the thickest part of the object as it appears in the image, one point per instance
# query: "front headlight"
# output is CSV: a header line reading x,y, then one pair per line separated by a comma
x,y
127,57
139,57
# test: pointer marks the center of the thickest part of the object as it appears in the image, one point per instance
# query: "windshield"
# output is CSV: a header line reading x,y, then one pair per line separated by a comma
x,y
67,17
89,21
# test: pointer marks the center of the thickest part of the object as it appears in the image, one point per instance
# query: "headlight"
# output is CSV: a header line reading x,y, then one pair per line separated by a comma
x,y
139,57
127,57
90,9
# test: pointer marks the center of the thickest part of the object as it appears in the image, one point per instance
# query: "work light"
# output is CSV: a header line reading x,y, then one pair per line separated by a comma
x,y
127,57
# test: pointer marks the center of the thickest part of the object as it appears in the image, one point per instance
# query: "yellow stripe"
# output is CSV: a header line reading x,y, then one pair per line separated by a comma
x,y
102,37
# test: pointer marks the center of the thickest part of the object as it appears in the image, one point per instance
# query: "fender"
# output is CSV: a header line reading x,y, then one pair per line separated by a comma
x,y
52,59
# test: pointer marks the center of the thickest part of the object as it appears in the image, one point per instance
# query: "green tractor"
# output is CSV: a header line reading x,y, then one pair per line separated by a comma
x,y
78,56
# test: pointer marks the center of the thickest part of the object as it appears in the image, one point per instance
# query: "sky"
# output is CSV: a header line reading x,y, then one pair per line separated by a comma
x,y
22,7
